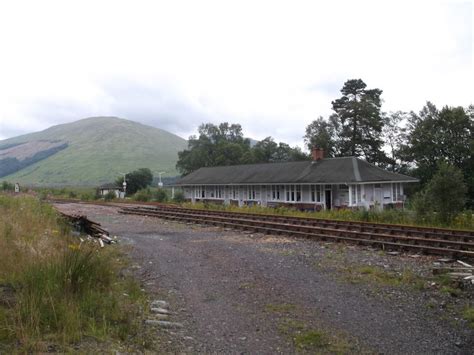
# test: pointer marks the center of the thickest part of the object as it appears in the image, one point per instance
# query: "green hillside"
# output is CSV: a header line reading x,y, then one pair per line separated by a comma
x,y
97,150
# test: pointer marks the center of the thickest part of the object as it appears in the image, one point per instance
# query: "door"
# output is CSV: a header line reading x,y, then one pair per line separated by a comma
x,y
328,199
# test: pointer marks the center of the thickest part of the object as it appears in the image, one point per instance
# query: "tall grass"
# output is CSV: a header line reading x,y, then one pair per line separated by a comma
x,y
62,291
392,216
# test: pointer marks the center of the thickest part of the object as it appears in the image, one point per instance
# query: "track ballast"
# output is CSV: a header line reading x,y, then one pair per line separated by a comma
x,y
436,241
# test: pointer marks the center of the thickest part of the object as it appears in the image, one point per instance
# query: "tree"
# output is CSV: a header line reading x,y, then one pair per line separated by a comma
x,y
394,135
445,193
267,150
321,134
286,153
435,136
136,180
358,112
225,145
216,145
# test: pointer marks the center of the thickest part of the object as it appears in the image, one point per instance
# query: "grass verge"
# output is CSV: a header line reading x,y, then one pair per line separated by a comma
x,y
56,293
314,341
391,216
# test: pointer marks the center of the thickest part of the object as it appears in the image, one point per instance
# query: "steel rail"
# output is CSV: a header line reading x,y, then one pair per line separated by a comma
x,y
422,232
431,246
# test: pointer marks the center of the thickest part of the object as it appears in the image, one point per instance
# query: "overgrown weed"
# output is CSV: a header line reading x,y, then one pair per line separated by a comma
x,y
464,220
63,290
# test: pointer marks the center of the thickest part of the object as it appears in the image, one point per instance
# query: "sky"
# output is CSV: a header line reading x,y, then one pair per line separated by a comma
x,y
272,66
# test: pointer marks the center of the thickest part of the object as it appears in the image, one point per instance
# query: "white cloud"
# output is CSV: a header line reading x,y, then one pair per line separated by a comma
x,y
271,66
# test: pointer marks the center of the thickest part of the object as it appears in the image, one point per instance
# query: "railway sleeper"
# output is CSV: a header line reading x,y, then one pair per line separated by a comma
x,y
378,243
332,231
360,226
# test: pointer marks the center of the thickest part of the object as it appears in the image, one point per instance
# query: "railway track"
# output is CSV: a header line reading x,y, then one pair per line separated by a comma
x,y
393,237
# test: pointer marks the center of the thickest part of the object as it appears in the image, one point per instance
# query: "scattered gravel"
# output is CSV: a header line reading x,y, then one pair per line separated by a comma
x,y
250,293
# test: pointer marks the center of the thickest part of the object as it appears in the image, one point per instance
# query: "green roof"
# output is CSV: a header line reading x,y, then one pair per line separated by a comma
x,y
325,171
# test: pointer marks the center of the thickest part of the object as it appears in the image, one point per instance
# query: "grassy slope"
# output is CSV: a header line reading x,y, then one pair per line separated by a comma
x,y
59,292
99,149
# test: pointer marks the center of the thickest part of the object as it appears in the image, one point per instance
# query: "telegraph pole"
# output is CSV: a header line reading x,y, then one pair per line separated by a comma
x,y
124,183
160,184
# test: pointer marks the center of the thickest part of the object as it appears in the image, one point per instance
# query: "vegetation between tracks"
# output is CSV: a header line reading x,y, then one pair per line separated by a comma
x,y
391,216
55,292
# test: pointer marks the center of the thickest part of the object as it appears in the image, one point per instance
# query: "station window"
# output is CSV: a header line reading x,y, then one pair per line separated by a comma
x,y
276,190
396,192
251,193
316,193
298,192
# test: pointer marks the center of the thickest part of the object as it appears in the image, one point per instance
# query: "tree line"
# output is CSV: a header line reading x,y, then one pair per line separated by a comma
x,y
418,144
225,144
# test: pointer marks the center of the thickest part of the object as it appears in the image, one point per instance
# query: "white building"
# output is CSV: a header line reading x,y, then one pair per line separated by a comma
x,y
117,190
318,184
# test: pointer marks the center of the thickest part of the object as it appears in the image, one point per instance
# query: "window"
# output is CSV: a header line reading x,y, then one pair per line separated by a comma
x,y
235,192
316,193
251,193
396,192
276,191
356,194
219,191
199,192
298,192
293,193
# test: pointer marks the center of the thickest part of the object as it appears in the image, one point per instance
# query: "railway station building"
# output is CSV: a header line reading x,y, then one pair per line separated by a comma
x,y
323,183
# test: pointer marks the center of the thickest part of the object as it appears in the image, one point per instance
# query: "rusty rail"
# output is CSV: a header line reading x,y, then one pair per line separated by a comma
x,y
431,241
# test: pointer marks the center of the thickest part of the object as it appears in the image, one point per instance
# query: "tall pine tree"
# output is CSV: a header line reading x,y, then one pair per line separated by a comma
x,y
361,123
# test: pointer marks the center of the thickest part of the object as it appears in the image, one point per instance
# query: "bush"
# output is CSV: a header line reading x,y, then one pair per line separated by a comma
x,y
179,197
109,196
6,186
160,195
143,195
422,205
87,197
444,195
447,192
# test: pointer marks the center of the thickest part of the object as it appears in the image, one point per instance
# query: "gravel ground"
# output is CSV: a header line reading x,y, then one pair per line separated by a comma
x,y
237,292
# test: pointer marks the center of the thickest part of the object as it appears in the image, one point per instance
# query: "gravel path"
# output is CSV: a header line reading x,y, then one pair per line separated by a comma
x,y
246,293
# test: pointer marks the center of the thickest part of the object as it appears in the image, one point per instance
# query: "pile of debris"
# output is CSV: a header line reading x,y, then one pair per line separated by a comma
x,y
93,229
457,270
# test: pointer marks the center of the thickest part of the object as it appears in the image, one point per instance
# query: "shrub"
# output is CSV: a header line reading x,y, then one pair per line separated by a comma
x,y
447,192
160,195
443,197
143,195
110,196
6,186
86,197
179,197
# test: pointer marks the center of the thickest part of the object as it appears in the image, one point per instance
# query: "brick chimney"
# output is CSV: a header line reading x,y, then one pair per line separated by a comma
x,y
317,153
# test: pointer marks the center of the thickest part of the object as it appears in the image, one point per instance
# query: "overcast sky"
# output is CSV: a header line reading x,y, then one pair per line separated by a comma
x,y
272,66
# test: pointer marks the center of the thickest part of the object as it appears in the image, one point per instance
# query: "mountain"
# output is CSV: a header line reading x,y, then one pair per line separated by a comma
x,y
90,151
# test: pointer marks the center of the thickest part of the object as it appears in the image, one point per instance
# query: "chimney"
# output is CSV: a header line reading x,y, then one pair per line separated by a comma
x,y
317,154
